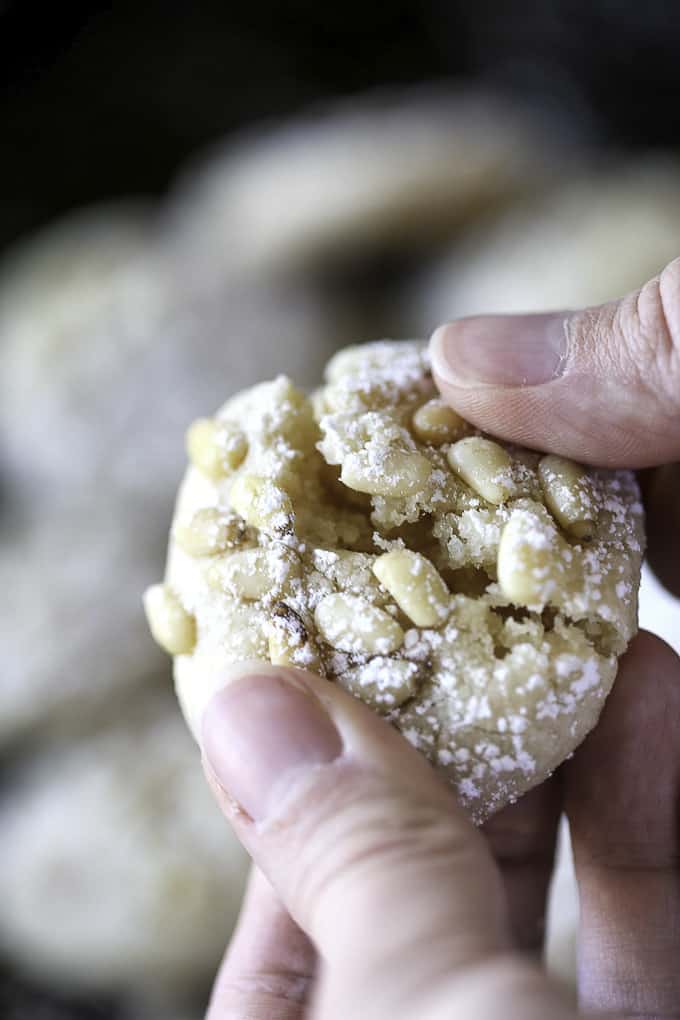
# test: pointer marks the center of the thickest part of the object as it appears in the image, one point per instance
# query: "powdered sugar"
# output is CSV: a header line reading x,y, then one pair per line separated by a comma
x,y
498,690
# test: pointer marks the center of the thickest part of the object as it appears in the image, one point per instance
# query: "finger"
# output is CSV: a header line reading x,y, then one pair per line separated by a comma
x,y
522,838
366,846
600,385
662,503
621,796
269,966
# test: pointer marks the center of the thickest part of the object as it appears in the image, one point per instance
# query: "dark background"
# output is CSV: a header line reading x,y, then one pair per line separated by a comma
x,y
106,99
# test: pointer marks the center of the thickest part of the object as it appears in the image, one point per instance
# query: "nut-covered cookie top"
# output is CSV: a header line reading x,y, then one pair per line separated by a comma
x,y
476,593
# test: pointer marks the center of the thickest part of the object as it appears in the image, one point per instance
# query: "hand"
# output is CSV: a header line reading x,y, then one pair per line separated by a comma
x,y
600,385
381,900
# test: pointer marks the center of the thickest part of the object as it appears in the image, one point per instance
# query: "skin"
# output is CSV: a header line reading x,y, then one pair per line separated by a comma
x,y
372,895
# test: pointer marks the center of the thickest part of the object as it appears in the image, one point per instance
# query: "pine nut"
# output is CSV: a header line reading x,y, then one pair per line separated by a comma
x,y
351,624
436,423
216,448
416,586
349,571
209,531
383,683
252,574
386,472
533,558
568,495
362,395
289,641
352,361
483,465
171,626
261,503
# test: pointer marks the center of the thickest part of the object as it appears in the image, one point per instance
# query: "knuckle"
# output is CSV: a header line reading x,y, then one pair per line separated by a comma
x,y
650,324
259,992
669,301
364,837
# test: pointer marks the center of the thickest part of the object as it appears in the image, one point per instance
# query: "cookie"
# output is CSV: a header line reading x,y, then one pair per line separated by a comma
x,y
476,594
390,171
105,352
116,885
586,225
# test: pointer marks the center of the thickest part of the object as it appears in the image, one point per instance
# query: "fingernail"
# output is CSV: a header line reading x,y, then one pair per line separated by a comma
x,y
260,731
500,350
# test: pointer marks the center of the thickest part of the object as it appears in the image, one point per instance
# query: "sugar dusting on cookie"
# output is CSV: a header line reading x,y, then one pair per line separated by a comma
x,y
356,513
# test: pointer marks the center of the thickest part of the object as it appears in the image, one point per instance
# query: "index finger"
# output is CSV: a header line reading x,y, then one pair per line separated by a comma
x,y
600,385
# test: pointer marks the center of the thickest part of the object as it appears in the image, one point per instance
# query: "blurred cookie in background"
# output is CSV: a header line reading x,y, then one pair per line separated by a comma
x,y
117,874
393,172
106,351
78,304
105,356
589,240
73,644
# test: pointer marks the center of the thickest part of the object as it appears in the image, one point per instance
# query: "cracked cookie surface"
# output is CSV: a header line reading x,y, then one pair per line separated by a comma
x,y
475,593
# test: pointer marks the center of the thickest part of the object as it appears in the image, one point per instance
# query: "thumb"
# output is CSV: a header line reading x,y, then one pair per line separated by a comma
x,y
363,843
600,385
